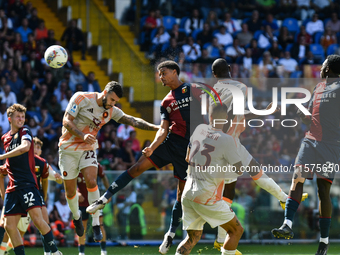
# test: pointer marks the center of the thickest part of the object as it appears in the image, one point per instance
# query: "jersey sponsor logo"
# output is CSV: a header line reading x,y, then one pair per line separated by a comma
x,y
74,108
90,110
96,121
105,114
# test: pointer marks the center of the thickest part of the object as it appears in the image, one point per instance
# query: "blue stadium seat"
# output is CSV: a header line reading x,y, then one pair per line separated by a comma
x,y
206,45
289,47
182,23
142,34
257,34
165,46
304,23
317,51
332,48
291,24
168,22
325,21
245,20
317,37
153,33
195,33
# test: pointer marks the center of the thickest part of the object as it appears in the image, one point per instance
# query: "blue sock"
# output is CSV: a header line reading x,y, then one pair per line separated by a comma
x,y
291,208
117,185
48,239
176,216
325,224
19,250
81,248
2,233
103,246
46,247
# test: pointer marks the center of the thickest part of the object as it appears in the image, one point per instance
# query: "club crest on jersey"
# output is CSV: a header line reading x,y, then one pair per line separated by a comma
x,y
105,114
64,173
73,109
37,168
184,90
96,121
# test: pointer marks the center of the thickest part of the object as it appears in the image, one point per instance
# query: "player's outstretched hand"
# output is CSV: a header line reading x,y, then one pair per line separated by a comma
x,y
147,152
90,139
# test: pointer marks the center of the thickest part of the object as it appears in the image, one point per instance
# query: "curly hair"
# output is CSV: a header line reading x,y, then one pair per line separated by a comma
x,y
170,65
334,63
15,108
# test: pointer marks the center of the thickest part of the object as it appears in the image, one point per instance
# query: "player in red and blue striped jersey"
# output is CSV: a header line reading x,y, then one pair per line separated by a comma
x,y
319,152
22,194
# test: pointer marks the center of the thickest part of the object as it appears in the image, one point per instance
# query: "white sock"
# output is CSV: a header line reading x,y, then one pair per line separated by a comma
x,y
93,196
221,235
227,252
177,253
269,185
288,222
80,253
47,253
74,206
3,248
324,240
172,234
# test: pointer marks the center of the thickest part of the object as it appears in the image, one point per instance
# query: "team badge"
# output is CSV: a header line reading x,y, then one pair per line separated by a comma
x,y
184,90
105,114
37,168
65,173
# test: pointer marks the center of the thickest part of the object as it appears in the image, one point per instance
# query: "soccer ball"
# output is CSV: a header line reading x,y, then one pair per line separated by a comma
x,y
56,56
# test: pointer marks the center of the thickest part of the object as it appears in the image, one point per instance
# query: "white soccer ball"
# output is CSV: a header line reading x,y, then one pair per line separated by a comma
x,y
56,56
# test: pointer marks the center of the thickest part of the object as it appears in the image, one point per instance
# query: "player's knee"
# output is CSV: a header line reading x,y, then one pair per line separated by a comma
x,y
9,225
92,183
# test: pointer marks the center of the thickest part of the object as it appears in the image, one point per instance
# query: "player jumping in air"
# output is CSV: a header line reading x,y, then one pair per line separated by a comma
x,y
85,115
83,203
202,196
22,193
319,152
167,147
221,71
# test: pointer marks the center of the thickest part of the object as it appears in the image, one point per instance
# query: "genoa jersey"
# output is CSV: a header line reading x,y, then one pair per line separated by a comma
x,y
21,169
175,108
41,170
82,186
325,109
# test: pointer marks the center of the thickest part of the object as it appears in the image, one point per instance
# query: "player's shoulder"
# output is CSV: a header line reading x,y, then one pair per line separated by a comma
x,y
38,158
25,130
80,96
6,135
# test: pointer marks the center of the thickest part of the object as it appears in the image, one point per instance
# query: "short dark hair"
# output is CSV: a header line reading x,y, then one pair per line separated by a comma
x,y
334,63
170,65
219,111
115,87
220,68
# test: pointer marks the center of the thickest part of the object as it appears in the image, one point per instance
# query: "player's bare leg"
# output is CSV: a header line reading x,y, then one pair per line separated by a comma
x,y
72,200
325,210
175,220
189,242
103,242
3,234
292,204
90,174
235,231
44,229
136,170
11,223
81,246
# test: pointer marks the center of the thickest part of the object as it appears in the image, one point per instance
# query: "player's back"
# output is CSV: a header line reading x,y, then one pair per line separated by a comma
x,y
89,118
211,156
227,98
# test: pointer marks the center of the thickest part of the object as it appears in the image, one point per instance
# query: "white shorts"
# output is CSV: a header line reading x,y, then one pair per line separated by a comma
x,y
245,156
196,215
71,162
23,223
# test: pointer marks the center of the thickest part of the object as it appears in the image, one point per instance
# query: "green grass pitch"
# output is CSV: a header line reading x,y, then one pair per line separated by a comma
x,y
200,249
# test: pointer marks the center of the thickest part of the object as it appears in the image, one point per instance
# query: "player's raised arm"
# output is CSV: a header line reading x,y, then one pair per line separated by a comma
x,y
137,123
21,149
159,138
72,128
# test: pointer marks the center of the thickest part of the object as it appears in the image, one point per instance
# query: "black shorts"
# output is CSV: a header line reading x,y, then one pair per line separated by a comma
x,y
19,202
319,158
172,150
42,198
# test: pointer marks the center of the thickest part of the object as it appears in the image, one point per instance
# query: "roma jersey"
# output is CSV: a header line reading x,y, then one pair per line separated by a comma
x,y
89,118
